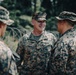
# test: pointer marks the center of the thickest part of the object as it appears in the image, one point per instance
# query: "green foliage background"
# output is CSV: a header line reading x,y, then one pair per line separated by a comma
x,y
21,12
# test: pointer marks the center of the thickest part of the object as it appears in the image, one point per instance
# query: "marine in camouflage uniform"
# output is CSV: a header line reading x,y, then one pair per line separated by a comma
x,y
7,60
35,50
63,56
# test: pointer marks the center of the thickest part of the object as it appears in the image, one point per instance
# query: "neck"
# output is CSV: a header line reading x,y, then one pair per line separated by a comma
x,y
37,33
65,29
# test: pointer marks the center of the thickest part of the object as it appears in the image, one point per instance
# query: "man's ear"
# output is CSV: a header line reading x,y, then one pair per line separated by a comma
x,y
0,26
32,21
63,22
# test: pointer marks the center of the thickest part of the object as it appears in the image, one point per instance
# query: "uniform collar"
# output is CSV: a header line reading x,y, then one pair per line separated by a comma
x,y
69,30
40,37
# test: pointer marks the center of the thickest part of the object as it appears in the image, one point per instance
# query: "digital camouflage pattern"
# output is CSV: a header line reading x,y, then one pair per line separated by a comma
x,y
63,55
65,15
34,52
4,16
7,61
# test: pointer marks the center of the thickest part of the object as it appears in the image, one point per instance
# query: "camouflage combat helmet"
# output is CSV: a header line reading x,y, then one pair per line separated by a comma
x,y
39,16
4,16
65,15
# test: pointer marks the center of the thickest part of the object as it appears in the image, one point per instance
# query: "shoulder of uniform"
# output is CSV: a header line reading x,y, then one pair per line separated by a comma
x,y
1,43
2,48
48,34
25,36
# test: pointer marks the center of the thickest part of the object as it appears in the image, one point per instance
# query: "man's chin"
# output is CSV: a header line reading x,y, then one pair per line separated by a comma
x,y
42,30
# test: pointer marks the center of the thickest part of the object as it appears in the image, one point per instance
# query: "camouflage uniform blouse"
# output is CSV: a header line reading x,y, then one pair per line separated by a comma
x,y
63,56
34,52
7,62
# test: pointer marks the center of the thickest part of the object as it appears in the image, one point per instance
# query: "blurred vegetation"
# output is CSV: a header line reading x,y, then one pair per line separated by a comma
x,y
21,12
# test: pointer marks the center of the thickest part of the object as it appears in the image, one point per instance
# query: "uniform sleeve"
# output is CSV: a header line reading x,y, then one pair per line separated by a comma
x,y
13,67
20,50
4,67
58,62
7,63
52,40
